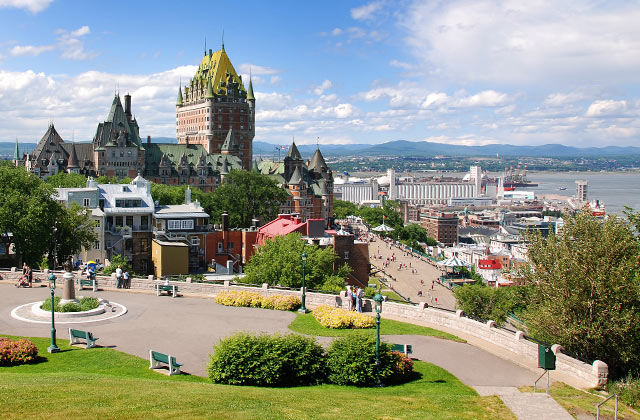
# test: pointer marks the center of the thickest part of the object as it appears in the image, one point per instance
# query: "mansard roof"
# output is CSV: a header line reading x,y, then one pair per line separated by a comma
x,y
193,155
51,143
73,159
216,69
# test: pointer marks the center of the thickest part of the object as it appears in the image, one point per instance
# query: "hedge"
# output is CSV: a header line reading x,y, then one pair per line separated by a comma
x,y
257,300
330,317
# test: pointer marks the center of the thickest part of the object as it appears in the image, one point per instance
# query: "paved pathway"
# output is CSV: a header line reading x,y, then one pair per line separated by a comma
x,y
408,284
188,327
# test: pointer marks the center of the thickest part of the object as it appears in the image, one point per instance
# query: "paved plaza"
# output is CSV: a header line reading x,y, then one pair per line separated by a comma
x,y
189,327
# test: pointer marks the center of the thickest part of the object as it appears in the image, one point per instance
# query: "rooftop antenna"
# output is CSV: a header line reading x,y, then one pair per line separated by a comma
x,y
205,45
318,142
222,39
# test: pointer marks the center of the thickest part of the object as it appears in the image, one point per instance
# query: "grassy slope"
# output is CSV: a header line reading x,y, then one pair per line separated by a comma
x,y
307,324
104,383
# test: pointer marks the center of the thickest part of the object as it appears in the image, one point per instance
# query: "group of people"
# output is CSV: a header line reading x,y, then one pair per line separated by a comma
x,y
123,278
355,298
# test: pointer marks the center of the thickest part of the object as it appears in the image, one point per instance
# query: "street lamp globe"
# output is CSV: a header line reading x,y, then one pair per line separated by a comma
x,y
304,257
378,302
52,281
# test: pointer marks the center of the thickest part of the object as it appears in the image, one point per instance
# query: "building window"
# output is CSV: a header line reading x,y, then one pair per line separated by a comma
x,y
173,224
144,222
144,245
86,202
187,224
346,255
96,245
195,241
97,223
130,221
230,245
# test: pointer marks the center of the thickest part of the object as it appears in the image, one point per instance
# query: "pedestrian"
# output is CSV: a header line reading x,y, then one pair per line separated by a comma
x,y
126,279
359,295
419,292
119,277
421,282
433,282
29,275
350,297
436,301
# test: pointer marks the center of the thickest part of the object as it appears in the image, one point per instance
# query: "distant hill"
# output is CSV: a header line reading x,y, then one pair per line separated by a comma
x,y
404,148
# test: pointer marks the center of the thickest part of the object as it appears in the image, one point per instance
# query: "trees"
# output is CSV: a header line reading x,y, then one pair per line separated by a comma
x,y
28,214
65,180
342,209
587,293
279,262
246,195
33,221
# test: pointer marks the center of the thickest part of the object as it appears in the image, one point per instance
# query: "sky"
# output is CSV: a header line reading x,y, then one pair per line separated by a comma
x,y
336,72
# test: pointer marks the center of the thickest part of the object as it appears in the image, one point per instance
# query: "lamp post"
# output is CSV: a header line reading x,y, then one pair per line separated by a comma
x,y
378,302
303,308
53,348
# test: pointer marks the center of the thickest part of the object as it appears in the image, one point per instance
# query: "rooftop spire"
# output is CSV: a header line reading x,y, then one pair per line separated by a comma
x,y
16,152
179,102
250,96
223,39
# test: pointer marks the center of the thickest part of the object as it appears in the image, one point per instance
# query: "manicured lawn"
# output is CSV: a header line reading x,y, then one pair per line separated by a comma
x,y
307,324
390,294
578,402
104,383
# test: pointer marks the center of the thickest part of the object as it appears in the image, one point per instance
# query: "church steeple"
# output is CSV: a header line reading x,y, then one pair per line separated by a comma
x,y
16,152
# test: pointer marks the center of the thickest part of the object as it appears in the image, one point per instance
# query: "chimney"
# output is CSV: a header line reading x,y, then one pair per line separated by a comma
x,y
127,106
255,223
148,139
225,221
187,196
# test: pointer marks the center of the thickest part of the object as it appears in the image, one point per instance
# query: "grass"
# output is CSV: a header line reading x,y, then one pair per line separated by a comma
x,y
390,294
578,402
105,383
307,324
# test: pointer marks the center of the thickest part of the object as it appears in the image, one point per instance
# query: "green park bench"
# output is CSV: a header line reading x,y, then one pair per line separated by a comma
x,y
173,289
402,348
75,335
89,283
156,358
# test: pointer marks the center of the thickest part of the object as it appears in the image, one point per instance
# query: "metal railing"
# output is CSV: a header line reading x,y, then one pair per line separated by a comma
x,y
615,415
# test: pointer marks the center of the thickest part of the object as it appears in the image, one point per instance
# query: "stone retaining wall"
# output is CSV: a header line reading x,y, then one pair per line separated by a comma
x,y
595,374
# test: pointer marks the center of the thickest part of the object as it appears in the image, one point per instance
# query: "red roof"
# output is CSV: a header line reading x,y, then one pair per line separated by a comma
x,y
489,265
283,225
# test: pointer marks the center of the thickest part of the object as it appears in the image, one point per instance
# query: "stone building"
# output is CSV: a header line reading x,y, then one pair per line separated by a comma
x,y
441,226
309,184
214,103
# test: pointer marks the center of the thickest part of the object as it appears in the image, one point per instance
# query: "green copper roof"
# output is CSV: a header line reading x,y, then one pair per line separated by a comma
x,y
192,154
296,178
230,144
209,94
16,152
216,69
317,162
250,91
179,96
293,152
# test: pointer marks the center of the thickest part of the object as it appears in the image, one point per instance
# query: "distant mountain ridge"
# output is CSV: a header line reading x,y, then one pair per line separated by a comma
x,y
404,148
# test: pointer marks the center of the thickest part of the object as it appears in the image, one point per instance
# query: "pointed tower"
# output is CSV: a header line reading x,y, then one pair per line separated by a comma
x,y
16,154
72,162
179,102
292,161
214,102
230,146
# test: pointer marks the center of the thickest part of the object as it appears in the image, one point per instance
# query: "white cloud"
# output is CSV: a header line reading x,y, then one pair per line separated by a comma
x,y
83,30
319,90
606,108
487,98
255,69
34,6
539,42
401,64
560,99
72,46
367,11
20,50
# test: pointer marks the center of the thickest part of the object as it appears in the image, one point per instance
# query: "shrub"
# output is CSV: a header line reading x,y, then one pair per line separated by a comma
x,y
402,368
330,317
267,360
351,360
84,304
16,352
257,300
628,389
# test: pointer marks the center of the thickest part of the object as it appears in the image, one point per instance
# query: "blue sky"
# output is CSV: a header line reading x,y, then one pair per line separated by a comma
x,y
458,72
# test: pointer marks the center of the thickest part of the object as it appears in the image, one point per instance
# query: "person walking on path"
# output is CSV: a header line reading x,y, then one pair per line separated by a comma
x,y
359,296
119,277
350,297
29,275
126,279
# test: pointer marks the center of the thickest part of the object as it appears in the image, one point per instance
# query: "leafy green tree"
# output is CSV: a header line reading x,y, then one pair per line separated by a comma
x,y
487,303
115,261
167,194
342,209
74,230
413,233
279,262
587,294
103,179
246,195
65,180
28,214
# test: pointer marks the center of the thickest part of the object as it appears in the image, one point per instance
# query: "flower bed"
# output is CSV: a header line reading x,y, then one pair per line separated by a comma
x,y
330,317
16,352
257,300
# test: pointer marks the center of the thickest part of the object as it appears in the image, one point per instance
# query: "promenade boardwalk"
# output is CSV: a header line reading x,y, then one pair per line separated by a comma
x,y
408,284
